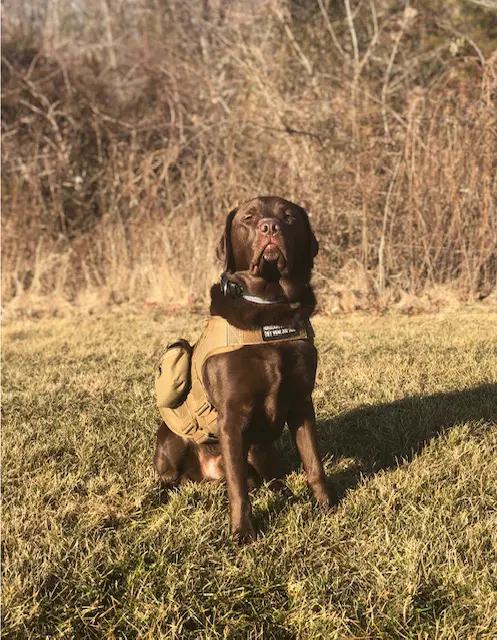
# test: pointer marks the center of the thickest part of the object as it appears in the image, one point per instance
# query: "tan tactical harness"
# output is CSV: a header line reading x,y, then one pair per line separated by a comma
x,y
196,418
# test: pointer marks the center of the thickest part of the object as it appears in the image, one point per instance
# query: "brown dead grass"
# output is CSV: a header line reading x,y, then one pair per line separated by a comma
x,y
128,135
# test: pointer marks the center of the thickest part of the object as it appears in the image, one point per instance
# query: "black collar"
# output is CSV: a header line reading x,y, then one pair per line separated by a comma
x,y
235,290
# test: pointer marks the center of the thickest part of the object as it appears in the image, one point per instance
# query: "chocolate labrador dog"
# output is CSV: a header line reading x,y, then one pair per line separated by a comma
x,y
268,249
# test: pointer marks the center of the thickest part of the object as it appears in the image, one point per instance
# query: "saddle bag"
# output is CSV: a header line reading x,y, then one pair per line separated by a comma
x,y
173,374
180,395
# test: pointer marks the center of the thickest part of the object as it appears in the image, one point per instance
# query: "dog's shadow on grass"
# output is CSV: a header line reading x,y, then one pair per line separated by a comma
x,y
376,437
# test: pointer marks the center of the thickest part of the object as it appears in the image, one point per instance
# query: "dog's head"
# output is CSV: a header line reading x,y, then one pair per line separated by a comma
x,y
270,237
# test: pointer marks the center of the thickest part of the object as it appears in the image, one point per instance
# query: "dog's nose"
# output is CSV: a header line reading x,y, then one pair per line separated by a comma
x,y
269,226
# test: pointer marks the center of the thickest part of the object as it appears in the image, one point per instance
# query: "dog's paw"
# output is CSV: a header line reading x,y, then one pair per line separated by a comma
x,y
326,497
244,532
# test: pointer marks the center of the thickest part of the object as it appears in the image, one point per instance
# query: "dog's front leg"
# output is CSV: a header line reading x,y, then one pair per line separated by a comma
x,y
234,452
302,424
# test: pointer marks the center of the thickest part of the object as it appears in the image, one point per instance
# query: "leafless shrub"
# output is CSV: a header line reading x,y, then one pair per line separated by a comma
x,y
130,128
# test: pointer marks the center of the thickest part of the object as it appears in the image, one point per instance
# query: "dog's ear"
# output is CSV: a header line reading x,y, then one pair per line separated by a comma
x,y
312,243
224,251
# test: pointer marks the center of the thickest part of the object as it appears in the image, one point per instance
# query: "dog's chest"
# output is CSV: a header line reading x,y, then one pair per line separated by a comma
x,y
288,377
260,384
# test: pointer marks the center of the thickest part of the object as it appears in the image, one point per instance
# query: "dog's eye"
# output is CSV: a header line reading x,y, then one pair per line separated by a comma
x,y
247,217
288,218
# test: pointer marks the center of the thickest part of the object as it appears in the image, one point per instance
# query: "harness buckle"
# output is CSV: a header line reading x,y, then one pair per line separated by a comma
x,y
191,427
204,408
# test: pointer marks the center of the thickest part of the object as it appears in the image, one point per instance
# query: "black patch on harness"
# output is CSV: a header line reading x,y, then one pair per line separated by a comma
x,y
277,332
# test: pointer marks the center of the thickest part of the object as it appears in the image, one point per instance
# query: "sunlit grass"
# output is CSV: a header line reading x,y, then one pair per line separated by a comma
x,y
407,410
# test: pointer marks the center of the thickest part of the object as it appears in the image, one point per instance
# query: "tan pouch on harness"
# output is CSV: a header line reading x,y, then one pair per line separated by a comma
x,y
172,375
172,387
181,397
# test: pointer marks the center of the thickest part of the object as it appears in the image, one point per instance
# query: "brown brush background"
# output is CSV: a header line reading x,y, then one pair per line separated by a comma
x,y
130,128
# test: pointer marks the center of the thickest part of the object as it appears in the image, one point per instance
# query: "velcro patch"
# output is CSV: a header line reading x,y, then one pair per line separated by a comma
x,y
277,332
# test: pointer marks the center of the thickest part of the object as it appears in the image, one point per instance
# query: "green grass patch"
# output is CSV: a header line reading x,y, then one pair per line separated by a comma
x,y
407,412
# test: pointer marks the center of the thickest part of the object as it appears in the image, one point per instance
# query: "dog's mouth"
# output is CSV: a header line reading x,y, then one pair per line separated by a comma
x,y
271,252
269,261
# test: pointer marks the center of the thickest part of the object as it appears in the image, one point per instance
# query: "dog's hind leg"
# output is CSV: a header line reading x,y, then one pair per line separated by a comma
x,y
170,454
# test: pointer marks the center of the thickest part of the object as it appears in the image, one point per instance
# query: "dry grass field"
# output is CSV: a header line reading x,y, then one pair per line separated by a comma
x,y
407,411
